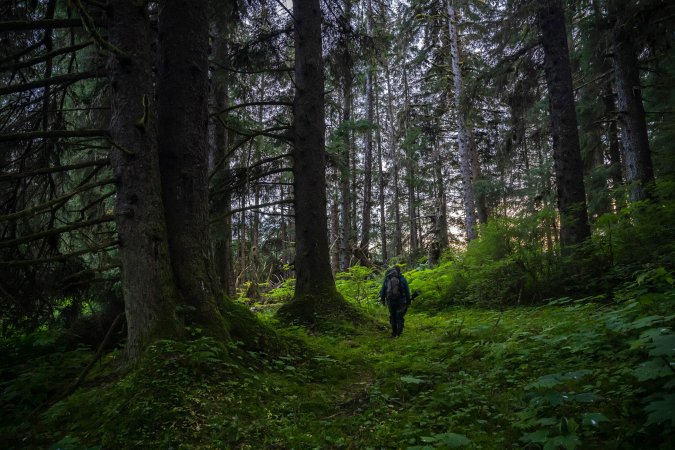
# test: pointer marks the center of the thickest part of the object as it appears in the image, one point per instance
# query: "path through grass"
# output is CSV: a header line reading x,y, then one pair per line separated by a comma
x,y
575,376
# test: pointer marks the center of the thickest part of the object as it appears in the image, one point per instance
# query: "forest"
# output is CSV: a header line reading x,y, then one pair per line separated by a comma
x,y
202,204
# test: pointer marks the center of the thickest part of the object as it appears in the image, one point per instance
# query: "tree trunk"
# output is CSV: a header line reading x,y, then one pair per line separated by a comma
x,y
636,153
463,135
182,92
481,202
574,227
314,279
394,154
383,215
614,151
410,163
440,224
345,172
334,236
368,157
222,230
148,286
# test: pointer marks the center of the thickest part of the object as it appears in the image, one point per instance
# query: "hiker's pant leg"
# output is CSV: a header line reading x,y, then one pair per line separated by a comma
x,y
393,318
400,317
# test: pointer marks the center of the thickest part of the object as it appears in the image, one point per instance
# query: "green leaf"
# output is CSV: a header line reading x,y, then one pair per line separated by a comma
x,y
545,382
546,421
661,410
646,322
536,437
663,345
586,397
652,370
411,380
570,442
452,440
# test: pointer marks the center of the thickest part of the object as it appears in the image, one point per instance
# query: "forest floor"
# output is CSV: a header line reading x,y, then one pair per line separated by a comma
x,y
557,376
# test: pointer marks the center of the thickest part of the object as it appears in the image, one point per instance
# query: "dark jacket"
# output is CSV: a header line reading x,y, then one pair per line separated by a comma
x,y
405,290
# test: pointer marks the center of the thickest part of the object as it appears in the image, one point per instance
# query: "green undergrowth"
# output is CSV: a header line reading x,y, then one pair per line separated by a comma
x,y
576,373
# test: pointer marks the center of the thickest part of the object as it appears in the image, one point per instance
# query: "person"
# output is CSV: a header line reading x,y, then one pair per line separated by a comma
x,y
396,294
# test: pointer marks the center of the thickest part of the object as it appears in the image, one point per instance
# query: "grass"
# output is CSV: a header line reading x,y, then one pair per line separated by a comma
x,y
551,377
586,373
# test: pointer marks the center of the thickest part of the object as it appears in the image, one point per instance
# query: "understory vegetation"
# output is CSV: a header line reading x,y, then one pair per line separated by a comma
x,y
506,347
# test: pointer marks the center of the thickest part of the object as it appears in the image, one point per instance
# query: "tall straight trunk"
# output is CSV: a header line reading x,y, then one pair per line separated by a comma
x,y
476,174
383,215
636,153
182,122
334,236
614,151
243,242
148,287
440,225
412,221
345,177
566,150
394,154
314,279
463,135
368,157
345,172
222,230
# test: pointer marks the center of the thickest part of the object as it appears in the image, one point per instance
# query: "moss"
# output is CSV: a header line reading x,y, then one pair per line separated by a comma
x,y
247,328
326,311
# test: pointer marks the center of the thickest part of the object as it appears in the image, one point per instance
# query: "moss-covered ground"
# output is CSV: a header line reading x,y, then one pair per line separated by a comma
x,y
581,374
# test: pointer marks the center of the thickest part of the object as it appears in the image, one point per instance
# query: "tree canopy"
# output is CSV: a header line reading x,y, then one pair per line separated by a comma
x,y
198,178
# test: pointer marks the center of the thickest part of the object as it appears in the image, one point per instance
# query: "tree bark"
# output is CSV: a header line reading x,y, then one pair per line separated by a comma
x,y
394,154
636,153
574,226
221,203
183,92
614,151
314,279
345,172
368,157
149,291
410,165
383,215
464,140
440,225
334,236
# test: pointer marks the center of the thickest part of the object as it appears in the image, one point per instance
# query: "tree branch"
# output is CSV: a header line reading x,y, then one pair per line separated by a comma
x,y
46,170
23,25
28,135
58,79
32,262
250,207
56,231
254,133
45,57
261,103
41,207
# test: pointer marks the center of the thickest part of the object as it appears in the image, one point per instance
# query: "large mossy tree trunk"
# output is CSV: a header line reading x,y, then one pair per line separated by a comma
x,y
315,291
183,92
574,227
148,286
637,163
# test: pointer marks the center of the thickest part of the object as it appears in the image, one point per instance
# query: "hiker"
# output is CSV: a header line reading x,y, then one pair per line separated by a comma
x,y
396,294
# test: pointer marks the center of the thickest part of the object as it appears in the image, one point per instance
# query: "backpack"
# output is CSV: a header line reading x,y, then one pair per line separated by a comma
x,y
393,287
